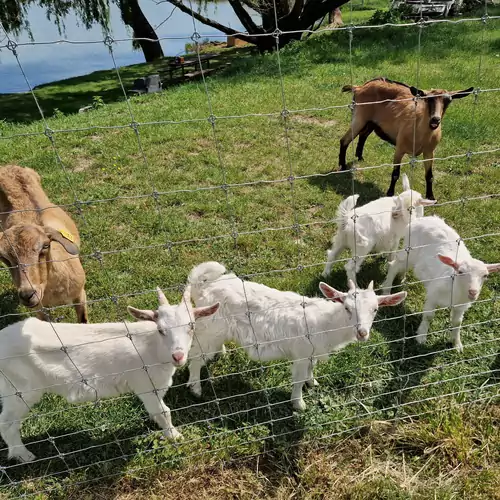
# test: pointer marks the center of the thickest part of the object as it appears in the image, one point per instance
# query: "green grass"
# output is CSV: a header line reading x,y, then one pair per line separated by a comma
x,y
446,450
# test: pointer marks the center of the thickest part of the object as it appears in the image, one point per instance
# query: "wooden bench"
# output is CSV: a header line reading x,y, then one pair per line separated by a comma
x,y
194,74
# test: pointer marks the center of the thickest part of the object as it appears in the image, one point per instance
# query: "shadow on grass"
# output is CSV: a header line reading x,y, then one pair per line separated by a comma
x,y
371,270
69,95
410,361
345,185
9,307
268,422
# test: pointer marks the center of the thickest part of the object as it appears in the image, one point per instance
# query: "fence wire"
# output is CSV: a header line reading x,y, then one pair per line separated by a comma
x,y
385,379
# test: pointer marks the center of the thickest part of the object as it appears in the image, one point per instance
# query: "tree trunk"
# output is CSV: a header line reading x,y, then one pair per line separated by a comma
x,y
134,17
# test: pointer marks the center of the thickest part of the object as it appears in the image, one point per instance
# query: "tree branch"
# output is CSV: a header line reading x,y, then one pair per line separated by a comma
x,y
210,22
315,9
245,17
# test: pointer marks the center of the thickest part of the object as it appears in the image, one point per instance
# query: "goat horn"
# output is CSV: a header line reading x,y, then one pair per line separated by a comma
x,y
161,297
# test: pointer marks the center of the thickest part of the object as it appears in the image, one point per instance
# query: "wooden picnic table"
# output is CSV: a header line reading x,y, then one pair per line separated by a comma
x,y
175,65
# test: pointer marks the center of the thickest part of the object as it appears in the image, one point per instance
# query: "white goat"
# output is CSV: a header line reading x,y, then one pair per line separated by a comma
x,y
270,324
378,225
98,361
435,247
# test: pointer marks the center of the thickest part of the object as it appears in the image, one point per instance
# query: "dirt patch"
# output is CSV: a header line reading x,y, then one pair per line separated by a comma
x,y
195,216
314,120
83,164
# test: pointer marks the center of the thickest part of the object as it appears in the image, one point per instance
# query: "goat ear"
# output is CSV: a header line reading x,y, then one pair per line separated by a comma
x,y
391,300
448,261
65,238
397,211
493,268
462,93
203,312
417,92
143,314
330,293
424,202
370,285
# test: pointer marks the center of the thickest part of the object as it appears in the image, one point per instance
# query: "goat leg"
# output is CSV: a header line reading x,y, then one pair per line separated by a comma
x,y
428,161
398,156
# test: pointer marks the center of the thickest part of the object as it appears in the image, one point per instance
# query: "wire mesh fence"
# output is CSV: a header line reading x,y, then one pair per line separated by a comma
x,y
245,408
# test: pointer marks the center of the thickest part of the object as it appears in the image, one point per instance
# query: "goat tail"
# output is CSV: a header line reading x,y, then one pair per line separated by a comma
x,y
208,271
346,206
406,183
348,88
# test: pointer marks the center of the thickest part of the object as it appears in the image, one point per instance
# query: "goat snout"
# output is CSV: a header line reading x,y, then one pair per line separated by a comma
x,y
473,294
29,297
178,357
435,122
362,334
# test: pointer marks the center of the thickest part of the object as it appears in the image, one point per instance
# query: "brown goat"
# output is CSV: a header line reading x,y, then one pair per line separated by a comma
x,y
412,125
37,244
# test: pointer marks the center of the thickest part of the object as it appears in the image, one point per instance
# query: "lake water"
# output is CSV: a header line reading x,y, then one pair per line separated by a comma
x,y
49,62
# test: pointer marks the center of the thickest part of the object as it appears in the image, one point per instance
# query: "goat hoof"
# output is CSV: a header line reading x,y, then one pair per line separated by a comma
x,y
459,347
421,339
299,404
360,158
195,388
23,456
312,383
173,434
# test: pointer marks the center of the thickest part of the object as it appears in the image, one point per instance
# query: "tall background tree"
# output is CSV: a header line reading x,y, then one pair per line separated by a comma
x,y
14,18
292,17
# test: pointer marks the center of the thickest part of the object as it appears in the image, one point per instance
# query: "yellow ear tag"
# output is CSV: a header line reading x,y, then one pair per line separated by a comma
x,y
67,235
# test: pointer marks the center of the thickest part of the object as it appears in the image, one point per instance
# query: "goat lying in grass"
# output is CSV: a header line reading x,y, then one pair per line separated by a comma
x,y
378,225
98,361
390,110
435,248
270,324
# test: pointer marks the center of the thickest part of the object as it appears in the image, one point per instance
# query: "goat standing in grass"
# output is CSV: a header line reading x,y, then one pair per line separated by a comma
x,y
270,324
390,110
40,244
98,361
378,225
451,276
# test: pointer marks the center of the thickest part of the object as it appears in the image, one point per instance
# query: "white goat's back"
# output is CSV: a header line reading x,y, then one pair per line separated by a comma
x,y
251,313
429,236
36,357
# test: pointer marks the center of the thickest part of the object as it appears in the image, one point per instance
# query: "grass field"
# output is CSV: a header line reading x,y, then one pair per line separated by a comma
x,y
390,420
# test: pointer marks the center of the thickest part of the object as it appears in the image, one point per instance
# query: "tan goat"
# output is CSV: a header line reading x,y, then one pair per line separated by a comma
x,y
38,243
413,126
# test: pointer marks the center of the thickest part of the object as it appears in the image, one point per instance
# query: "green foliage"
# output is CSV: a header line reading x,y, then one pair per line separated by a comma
x,y
14,13
390,16
98,102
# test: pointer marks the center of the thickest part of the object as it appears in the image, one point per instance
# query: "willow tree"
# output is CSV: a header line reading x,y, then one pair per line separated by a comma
x,y
14,18
292,17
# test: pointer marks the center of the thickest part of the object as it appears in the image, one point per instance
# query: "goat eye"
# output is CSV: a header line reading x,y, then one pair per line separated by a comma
x,y
46,246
